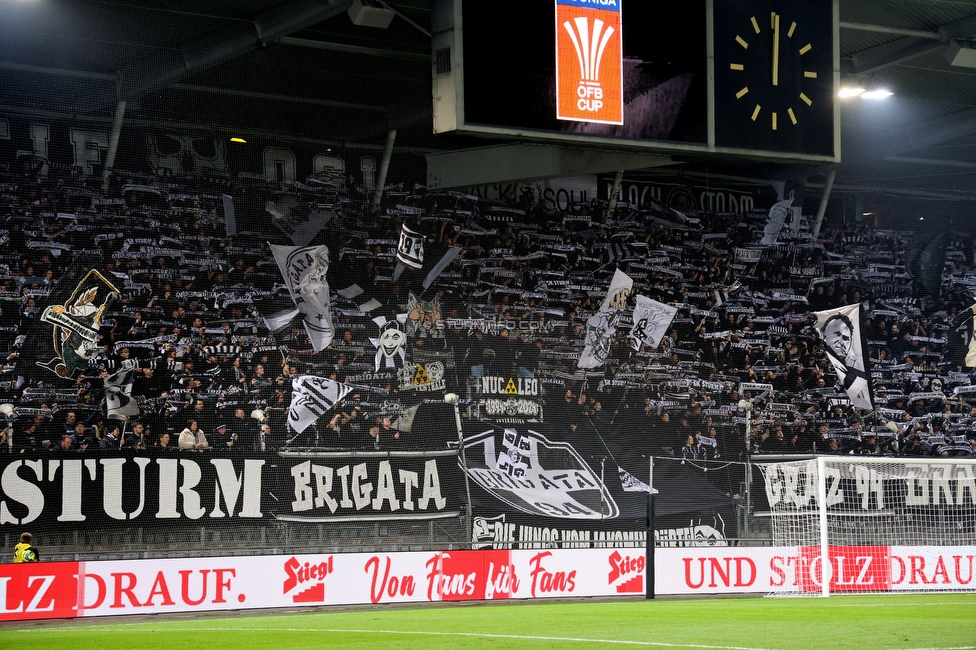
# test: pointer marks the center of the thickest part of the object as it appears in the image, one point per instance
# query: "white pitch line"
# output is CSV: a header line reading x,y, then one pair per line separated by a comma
x,y
957,647
905,604
480,635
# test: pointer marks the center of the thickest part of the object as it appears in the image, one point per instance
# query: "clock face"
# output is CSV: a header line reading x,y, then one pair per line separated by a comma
x,y
774,76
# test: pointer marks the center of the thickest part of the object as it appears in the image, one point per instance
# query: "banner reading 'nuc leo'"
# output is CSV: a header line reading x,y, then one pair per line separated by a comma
x,y
589,61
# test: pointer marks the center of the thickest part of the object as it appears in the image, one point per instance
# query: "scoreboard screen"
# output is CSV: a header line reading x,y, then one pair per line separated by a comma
x,y
637,74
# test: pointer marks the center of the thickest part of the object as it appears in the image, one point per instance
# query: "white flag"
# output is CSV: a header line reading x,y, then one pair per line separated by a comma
x,y
775,221
119,403
651,322
840,329
410,248
404,422
311,397
631,483
619,292
600,330
304,271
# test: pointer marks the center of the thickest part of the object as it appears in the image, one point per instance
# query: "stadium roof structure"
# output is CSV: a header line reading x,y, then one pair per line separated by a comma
x,y
302,70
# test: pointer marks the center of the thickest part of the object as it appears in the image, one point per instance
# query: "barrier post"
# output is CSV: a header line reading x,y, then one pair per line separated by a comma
x,y
649,543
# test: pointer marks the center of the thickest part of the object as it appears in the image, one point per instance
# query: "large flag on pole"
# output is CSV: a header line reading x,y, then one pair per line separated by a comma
x,y
840,330
119,403
311,397
619,292
925,260
304,271
775,221
602,326
962,338
651,322
424,259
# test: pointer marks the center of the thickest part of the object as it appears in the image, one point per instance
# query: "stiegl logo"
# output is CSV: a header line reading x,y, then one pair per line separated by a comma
x,y
627,573
589,46
299,573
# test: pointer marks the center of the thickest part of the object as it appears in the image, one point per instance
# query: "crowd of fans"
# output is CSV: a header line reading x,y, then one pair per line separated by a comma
x,y
210,376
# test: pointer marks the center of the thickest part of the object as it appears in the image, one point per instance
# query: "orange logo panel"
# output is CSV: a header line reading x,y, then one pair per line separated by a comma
x,y
589,63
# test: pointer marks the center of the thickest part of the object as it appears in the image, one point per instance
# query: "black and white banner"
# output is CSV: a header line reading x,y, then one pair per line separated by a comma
x,y
792,486
119,404
602,326
651,322
410,248
305,271
368,485
311,397
961,339
775,221
537,476
116,489
177,488
840,329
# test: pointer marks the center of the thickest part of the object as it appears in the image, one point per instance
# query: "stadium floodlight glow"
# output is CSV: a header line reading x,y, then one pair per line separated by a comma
x,y
239,140
850,91
878,93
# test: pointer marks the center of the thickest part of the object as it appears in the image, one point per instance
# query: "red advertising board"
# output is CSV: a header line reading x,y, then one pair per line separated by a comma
x,y
853,568
589,61
40,590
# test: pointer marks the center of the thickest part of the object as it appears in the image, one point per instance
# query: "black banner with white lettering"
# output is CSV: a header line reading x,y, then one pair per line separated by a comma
x,y
531,484
179,488
118,489
357,486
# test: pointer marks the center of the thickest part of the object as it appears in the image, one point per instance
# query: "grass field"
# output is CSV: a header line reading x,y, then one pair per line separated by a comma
x,y
932,621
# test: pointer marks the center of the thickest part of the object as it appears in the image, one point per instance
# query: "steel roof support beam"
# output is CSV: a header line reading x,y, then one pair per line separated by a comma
x,y
893,53
316,44
113,142
822,210
910,47
207,50
884,29
384,168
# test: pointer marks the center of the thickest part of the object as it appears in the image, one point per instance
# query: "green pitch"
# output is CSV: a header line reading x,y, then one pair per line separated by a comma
x,y
911,621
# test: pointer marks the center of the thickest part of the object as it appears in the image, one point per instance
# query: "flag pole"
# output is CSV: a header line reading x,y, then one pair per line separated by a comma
x,y
649,543
452,399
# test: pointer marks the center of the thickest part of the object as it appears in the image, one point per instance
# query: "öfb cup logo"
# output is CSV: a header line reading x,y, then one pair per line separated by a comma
x,y
589,62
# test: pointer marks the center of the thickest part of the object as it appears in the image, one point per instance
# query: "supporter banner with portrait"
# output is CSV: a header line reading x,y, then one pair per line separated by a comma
x,y
840,329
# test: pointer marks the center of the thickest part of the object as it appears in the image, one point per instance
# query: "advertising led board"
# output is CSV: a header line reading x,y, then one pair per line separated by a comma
x,y
548,73
589,62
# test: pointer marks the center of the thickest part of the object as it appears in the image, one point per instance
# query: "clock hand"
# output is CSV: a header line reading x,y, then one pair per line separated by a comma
x,y
775,49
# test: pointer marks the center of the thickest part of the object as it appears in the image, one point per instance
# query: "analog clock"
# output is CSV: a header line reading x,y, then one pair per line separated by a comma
x,y
774,76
